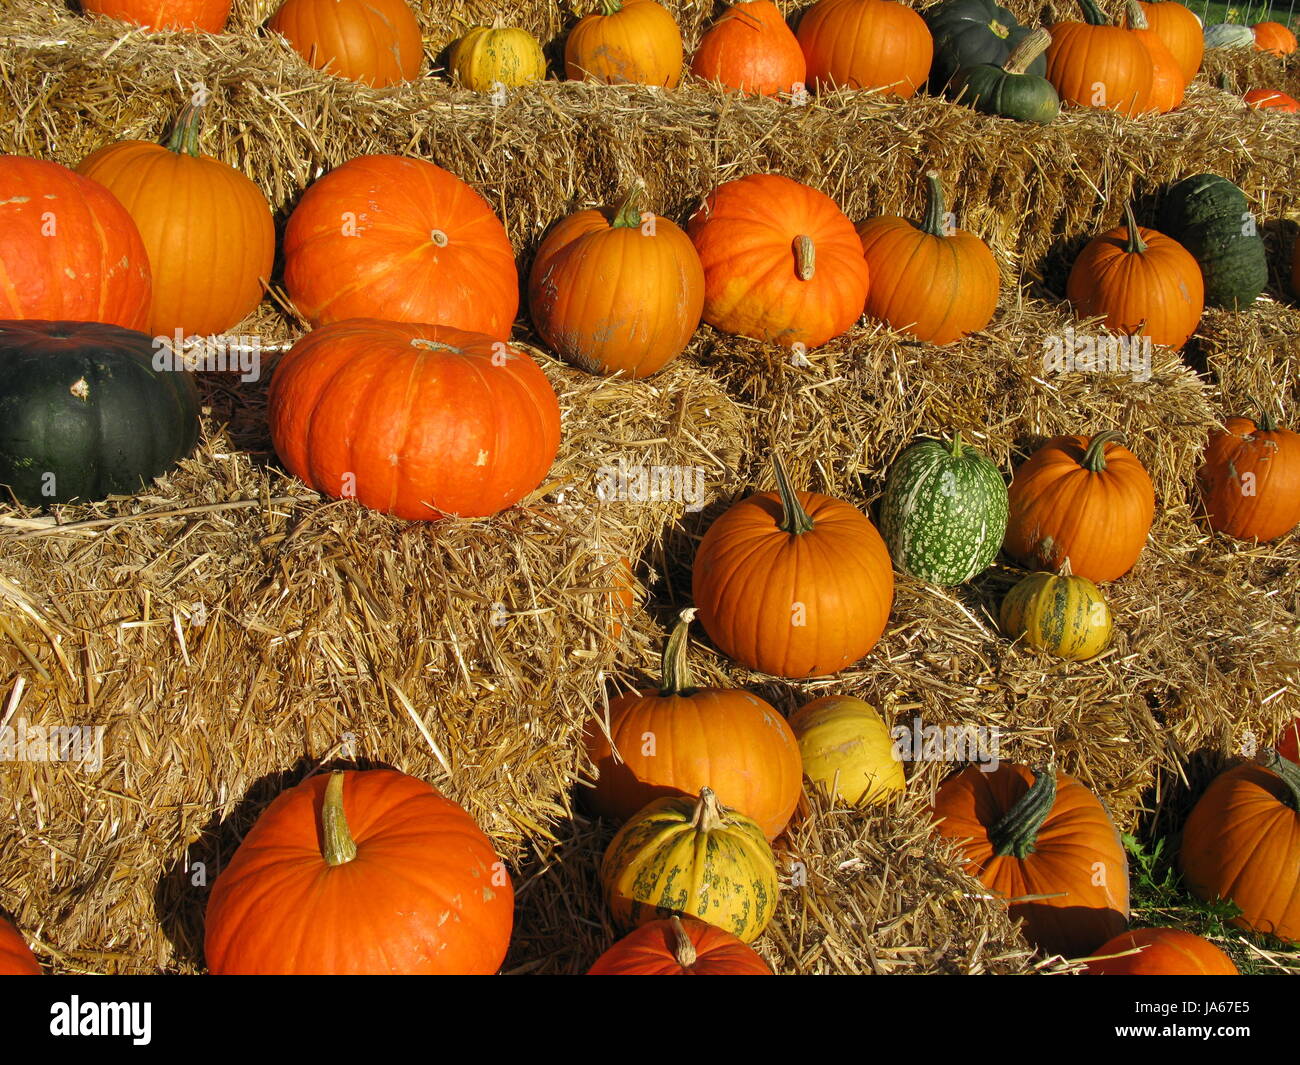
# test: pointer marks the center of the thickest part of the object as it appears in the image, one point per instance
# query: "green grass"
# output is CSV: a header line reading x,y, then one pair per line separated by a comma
x,y
1246,14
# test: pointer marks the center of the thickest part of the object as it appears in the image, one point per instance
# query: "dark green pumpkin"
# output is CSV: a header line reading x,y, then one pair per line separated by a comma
x,y
1208,215
84,414
1006,89
969,33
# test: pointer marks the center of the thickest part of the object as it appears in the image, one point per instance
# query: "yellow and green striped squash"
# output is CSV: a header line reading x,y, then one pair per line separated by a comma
x,y
691,856
1064,615
489,56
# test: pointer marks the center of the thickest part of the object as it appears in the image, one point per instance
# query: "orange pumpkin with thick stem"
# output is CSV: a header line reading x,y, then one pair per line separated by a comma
x,y
1095,64
375,42
361,873
1041,841
1181,32
751,49
1250,479
69,251
781,261
677,738
628,42
188,206
680,946
1160,952
935,281
207,16
1273,37
866,44
1088,500
16,957
417,421
793,584
384,236
1273,100
1168,83
617,290
1140,282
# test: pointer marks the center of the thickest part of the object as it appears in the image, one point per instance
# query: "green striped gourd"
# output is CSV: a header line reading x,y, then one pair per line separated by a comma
x,y
1060,613
1208,216
944,511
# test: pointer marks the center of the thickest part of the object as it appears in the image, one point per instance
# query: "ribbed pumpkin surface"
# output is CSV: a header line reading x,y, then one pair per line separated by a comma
x,y
1161,952
1066,615
16,957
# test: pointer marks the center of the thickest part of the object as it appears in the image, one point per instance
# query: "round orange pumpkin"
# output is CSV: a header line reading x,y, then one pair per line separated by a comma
x,y
207,228
1140,282
1041,841
69,251
1088,500
617,290
1181,32
388,237
16,957
626,42
935,281
361,873
1288,744
1168,83
1274,37
751,49
781,261
678,738
680,946
417,421
1095,64
1160,952
1250,479
375,42
1273,100
793,584
866,44
208,16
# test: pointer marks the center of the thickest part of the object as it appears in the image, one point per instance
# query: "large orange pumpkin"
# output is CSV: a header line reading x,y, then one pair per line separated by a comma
x,y
937,282
677,738
626,42
388,237
361,873
1095,64
781,261
680,946
1168,83
1160,952
1088,500
1274,37
207,228
751,49
375,42
866,44
208,16
1181,32
16,957
1242,842
1141,282
69,251
1042,842
793,584
418,421
1250,479
617,290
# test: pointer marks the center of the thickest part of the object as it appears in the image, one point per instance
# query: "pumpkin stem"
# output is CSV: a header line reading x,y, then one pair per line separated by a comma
x,y
794,519
675,672
1137,18
935,221
708,811
340,848
1136,245
184,139
1030,48
1016,831
805,257
439,238
1065,570
1265,423
1224,83
627,215
1094,459
683,946
611,7
956,445
1092,14
1286,769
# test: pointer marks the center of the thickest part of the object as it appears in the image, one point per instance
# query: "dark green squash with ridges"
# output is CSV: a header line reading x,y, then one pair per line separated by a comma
x,y
1007,90
1208,215
968,33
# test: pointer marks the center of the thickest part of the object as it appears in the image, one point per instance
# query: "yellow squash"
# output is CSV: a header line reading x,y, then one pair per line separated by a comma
x,y
489,56
846,745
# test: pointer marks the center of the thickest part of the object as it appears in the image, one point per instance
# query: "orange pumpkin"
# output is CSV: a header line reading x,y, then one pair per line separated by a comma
x,y
1288,744
1250,479
16,957
361,873
69,252
1088,500
622,595
1140,282
375,42
388,237
1271,98
207,228
781,261
680,946
626,42
417,421
1041,841
935,281
1160,952
795,585
1274,37
676,739
1095,64
208,16
1181,32
617,290
866,44
1168,83
751,49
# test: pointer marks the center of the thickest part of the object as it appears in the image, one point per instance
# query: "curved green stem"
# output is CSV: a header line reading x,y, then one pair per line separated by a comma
x,y
627,215
675,672
340,848
1136,245
184,139
1092,14
611,7
1265,423
794,518
1016,831
934,214
1094,459
1287,770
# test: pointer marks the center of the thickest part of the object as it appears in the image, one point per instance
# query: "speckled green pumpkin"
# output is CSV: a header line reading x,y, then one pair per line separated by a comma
x,y
944,512
1208,215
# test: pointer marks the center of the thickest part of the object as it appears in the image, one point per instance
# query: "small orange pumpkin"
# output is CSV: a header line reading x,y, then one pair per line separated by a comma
x,y
1274,37
207,16
680,946
1168,83
626,42
1272,99
1160,952
16,957
751,49
375,42
866,44
1250,479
